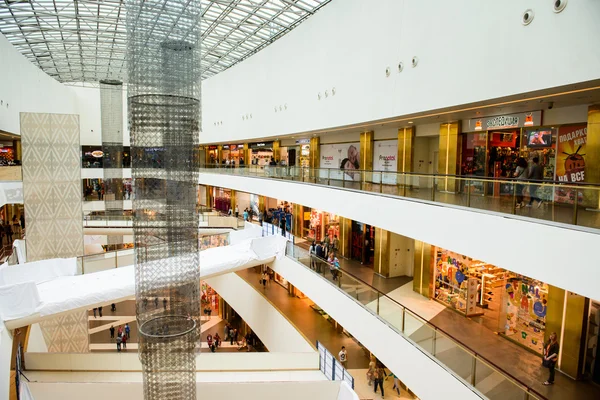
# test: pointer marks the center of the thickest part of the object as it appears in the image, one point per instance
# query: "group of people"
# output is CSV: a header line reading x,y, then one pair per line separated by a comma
x,y
325,251
533,173
375,374
230,162
123,335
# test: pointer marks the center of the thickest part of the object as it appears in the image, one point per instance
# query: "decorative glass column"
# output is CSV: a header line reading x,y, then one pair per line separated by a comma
x,y
163,59
111,116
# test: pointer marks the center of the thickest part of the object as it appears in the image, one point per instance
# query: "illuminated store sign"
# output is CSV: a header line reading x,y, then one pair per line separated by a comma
x,y
509,121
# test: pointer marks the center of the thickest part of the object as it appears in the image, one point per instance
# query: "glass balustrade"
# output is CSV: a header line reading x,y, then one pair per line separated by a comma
x,y
568,203
456,357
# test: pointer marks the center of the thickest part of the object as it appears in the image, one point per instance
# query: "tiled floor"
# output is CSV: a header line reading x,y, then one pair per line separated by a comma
x,y
100,340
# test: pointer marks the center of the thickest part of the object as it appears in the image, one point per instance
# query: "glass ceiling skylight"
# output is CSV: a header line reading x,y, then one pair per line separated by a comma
x,y
85,40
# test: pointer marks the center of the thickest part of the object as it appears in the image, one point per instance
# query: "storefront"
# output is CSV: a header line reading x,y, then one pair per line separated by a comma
x,y
490,147
233,153
93,157
212,154
262,152
222,199
320,224
363,243
303,155
210,300
510,304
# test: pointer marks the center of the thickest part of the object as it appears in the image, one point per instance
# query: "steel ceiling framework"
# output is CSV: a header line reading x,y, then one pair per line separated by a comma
x,y
85,40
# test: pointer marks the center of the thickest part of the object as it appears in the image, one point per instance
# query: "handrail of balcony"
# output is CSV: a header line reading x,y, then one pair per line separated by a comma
x,y
572,203
528,390
490,179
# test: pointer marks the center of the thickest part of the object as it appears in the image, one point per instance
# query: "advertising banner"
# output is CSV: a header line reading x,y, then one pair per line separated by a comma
x,y
570,160
342,160
385,158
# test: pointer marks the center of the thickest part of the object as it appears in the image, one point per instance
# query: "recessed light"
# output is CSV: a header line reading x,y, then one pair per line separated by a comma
x,y
410,122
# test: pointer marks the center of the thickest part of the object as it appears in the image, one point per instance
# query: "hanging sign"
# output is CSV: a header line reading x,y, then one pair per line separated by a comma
x,y
533,118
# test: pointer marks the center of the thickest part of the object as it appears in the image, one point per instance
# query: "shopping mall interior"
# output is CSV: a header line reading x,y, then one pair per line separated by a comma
x,y
324,199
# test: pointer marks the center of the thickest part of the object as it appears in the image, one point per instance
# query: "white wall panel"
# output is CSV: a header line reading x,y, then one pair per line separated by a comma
x,y
468,51
25,88
491,237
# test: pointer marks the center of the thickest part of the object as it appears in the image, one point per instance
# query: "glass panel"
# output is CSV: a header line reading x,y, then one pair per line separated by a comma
x,y
453,356
391,311
419,332
494,385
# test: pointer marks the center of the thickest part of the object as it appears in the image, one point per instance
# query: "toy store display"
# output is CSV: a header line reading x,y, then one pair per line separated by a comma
x,y
526,306
454,285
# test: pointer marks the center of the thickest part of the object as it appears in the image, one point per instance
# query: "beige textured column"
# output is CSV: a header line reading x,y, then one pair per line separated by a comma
x,y
52,191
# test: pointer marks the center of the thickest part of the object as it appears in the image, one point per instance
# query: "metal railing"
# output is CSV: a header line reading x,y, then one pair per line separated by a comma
x,y
332,368
455,356
505,195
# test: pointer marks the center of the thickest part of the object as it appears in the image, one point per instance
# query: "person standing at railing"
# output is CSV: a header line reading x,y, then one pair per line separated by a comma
x,y
521,175
241,162
260,218
536,174
246,214
237,211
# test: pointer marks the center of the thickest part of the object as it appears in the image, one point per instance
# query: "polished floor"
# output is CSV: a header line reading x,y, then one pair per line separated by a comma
x,y
476,333
316,325
99,329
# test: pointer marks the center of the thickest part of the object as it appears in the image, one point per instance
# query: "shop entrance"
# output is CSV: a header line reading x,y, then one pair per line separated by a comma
x,y
510,304
363,243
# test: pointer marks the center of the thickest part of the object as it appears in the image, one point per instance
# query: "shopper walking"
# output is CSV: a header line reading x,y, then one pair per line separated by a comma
x,y
119,341
113,307
100,311
112,332
95,310
378,379
312,251
396,383
320,256
246,215
264,280
237,211
124,341
343,357
120,331
282,224
537,175
127,331
327,245
9,232
551,350
165,303
521,175
335,243
217,340
371,370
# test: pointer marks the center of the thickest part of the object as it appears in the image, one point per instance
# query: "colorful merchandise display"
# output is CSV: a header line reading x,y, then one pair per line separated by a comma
x,y
526,305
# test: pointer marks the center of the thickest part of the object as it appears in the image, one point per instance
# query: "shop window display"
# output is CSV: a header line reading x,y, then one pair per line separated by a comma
x,y
510,304
526,305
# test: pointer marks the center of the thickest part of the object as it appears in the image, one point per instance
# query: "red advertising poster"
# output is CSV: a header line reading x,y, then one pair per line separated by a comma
x,y
570,160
